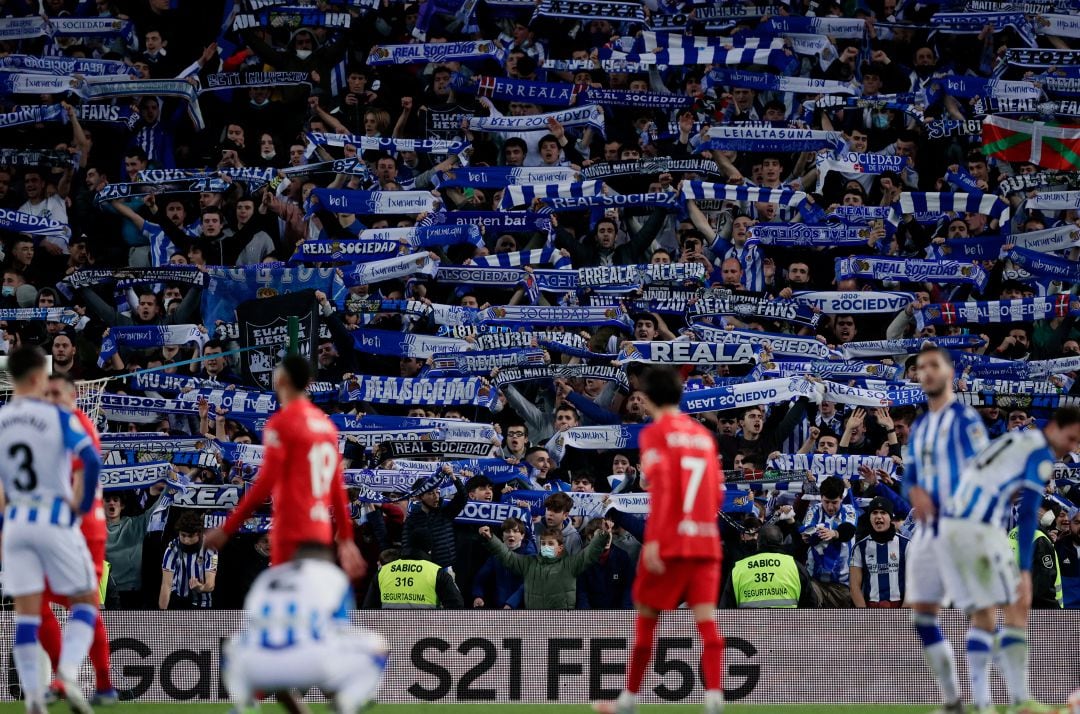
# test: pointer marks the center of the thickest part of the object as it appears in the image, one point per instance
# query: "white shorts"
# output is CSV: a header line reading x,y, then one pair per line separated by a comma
x,y
34,552
980,568
354,662
922,579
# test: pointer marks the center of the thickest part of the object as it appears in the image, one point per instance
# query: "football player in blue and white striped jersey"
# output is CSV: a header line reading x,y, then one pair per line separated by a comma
x,y
941,443
980,568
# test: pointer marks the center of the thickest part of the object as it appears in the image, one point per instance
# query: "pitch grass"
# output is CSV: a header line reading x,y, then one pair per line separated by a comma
x,y
421,708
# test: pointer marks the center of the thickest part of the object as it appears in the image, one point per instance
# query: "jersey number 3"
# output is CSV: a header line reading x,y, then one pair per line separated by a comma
x,y
323,461
27,479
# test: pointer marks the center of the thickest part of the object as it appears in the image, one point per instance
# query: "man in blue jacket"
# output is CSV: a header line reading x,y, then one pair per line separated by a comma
x,y
606,585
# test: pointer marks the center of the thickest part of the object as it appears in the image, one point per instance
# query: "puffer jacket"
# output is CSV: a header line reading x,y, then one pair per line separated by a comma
x,y
550,583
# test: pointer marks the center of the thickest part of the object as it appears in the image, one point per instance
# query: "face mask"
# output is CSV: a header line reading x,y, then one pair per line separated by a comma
x,y
303,54
547,551
190,548
268,154
1047,519
880,121
8,291
256,103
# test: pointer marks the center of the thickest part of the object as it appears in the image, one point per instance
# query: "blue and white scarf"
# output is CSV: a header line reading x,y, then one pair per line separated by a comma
x,y
126,117
1041,58
528,315
495,221
437,52
825,465
945,128
374,202
855,303
779,344
649,41
548,373
483,362
780,60
911,270
831,370
799,234
701,190
124,407
507,89
225,81
887,348
29,224
379,143
1054,200
127,88
350,251
769,139
739,396
130,478
92,27
121,191
764,82
1047,367
859,215
543,338
612,10
919,203
618,277
856,163
525,195
1045,266
587,115
969,87
67,65
615,437
42,158
395,268
631,98
517,259
397,344
664,199
1057,25
839,27
22,28
972,23
682,352
468,391
35,314
996,311
502,176
745,304
292,17
139,337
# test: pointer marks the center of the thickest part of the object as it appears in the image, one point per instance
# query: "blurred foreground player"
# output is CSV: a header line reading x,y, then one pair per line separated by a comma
x,y
41,514
297,636
680,560
62,392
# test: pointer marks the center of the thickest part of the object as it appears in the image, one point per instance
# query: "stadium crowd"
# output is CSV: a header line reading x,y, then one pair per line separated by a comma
x,y
802,186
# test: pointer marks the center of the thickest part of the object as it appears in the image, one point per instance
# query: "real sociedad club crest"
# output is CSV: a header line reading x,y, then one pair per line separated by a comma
x,y
862,265
933,312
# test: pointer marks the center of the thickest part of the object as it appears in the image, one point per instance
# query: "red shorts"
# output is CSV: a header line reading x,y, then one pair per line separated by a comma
x,y
693,581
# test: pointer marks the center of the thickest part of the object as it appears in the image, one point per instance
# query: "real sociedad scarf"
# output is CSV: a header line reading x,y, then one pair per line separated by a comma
x,y
770,391
348,251
765,82
466,391
488,513
506,89
223,81
1047,367
983,366
118,405
840,27
886,348
631,98
174,88
769,139
659,199
129,478
29,224
45,158
826,465
417,310
379,143
140,337
153,443
701,190
484,362
1057,25
799,234
374,202
661,165
612,10
592,438
1055,200
291,17
859,215
619,277
587,115
911,270
1045,266
856,303
469,51
120,191
856,163
543,338
397,344
781,345
22,28
681,352
855,396
67,65
972,23
387,242
35,314
606,373
970,87
32,114
187,274
517,259
945,128
502,176
398,448
526,315
498,221
831,370
1041,58
395,268
525,195
747,304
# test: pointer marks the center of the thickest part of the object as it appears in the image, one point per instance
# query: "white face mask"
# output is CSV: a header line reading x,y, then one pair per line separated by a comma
x,y
547,551
269,154
1047,519
303,54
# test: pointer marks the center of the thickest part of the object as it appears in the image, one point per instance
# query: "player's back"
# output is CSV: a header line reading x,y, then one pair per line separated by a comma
x,y
680,464
940,446
36,441
304,443
1016,460
301,602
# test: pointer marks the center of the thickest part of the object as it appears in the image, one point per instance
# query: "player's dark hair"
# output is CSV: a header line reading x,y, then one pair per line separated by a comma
x,y
63,377
24,361
558,502
662,385
1066,416
297,370
832,487
934,349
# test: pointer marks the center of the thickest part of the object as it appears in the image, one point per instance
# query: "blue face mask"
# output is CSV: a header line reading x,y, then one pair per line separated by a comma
x,y
8,290
547,551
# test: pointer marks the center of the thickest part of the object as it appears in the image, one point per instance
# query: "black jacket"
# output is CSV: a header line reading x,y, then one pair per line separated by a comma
x,y
438,528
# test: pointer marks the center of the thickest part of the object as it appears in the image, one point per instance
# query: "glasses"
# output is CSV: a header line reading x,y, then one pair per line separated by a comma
x,y
515,432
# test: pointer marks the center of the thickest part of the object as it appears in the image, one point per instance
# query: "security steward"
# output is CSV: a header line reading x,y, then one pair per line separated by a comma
x,y
770,578
1046,591
409,580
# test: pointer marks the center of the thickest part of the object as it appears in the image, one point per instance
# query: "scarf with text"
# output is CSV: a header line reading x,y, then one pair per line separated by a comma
x,y
911,270
588,115
765,82
484,362
502,176
1045,266
1054,200
292,18
395,268
396,344
438,52
857,163
36,314
460,391
701,190
744,304
781,345
29,224
141,337
682,352
378,143
507,89
615,437
800,234
739,396
373,202
769,139
862,302
525,195
827,465
936,203
887,348
44,158
528,315
32,114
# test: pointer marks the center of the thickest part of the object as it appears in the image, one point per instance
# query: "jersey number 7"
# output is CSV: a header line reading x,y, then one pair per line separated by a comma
x,y
695,467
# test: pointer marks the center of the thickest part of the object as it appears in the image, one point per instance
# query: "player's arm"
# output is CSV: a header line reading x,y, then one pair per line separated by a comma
x,y
273,466
343,524
78,442
1028,511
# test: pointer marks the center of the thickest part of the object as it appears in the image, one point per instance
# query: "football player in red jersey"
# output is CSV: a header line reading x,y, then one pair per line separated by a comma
x,y
680,559
62,392
302,471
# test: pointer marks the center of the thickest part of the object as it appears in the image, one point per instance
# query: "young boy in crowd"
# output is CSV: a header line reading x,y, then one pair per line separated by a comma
x,y
494,585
